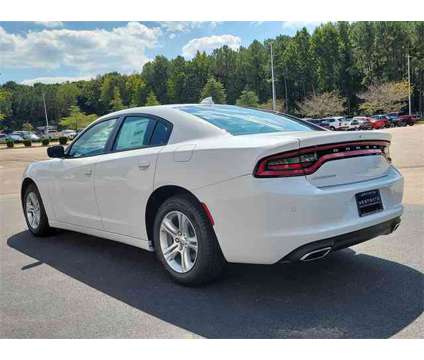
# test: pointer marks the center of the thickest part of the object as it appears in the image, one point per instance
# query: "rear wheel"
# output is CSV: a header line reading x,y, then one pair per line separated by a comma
x,y
185,242
35,214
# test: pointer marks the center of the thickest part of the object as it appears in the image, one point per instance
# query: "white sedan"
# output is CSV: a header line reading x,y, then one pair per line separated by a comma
x,y
203,185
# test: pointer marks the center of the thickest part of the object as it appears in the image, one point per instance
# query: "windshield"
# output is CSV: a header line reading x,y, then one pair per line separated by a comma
x,y
242,121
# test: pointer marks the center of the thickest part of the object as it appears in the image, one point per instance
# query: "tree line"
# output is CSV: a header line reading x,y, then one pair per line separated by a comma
x,y
348,66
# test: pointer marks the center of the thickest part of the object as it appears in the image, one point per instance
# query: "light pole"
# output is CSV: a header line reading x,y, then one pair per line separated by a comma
x,y
409,83
45,114
272,77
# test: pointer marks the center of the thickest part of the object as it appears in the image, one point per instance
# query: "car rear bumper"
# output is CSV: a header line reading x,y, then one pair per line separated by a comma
x,y
342,241
263,220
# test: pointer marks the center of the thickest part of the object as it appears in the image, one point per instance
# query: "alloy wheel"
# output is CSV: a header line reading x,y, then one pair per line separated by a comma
x,y
32,209
178,241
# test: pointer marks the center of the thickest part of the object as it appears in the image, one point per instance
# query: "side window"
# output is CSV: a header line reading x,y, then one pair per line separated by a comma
x,y
160,134
94,140
133,133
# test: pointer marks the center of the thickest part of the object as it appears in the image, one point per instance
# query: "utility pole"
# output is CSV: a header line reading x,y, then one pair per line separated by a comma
x,y
409,83
272,77
45,114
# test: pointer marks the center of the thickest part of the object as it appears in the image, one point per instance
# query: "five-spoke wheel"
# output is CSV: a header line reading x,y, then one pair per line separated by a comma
x,y
185,241
35,214
178,241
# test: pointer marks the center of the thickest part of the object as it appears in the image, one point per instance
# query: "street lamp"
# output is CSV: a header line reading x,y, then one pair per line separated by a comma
x,y
409,83
272,77
45,114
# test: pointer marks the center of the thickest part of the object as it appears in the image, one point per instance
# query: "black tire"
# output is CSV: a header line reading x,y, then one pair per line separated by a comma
x,y
43,228
332,128
210,262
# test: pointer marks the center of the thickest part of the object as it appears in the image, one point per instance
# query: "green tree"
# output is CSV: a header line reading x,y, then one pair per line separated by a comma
x,y
279,105
110,83
66,96
325,45
76,119
325,104
214,89
177,81
137,90
116,102
152,100
387,97
155,74
27,126
5,104
225,68
248,98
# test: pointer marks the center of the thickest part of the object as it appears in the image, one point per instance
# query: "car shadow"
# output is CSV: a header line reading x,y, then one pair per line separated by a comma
x,y
348,295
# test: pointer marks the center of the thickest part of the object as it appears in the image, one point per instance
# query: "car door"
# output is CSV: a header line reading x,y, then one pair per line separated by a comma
x,y
124,178
74,177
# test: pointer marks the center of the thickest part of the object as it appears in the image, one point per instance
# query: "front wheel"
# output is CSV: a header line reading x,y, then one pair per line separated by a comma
x,y
185,242
35,214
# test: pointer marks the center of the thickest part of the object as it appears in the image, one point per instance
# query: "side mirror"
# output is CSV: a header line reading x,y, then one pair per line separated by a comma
x,y
57,151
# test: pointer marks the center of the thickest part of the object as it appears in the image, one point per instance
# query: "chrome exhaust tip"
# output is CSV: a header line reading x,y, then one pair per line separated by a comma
x,y
316,254
395,226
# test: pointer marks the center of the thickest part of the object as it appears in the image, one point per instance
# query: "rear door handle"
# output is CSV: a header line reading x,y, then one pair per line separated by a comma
x,y
144,165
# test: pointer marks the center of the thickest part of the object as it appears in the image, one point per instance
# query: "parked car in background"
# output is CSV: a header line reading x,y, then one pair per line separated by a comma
x,y
394,119
360,123
27,135
52,134
352,124
320,122
381,117
336,123
70,134
3,138
16,138
407,119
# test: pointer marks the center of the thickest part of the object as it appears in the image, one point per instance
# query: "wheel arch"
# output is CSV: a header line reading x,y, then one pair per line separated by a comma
x,y
157,198
25,183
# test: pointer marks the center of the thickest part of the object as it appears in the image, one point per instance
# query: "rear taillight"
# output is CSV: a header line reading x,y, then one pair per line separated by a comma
x,y
308,160
386,152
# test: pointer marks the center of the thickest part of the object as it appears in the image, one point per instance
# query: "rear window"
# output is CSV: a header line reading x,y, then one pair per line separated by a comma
x,y
241,121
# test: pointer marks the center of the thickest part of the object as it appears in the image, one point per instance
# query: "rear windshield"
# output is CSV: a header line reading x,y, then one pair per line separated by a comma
x,y
241,121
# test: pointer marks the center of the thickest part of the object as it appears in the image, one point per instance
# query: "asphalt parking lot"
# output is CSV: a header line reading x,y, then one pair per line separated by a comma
x,y
76,286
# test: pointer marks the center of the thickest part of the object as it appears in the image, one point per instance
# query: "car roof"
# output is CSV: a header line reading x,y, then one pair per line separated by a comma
x,y
185,126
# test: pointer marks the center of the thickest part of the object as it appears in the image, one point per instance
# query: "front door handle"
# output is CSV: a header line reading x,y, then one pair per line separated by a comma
x,y
144,165
88,172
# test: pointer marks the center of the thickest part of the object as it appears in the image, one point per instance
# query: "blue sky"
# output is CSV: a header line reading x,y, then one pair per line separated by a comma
x,y
58,51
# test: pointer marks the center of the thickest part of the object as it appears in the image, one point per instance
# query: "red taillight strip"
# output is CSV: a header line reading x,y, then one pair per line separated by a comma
x,y
331,146
262,171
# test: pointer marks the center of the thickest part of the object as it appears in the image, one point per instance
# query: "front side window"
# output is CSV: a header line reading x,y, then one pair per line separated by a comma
x,y
93,141
133,133
243,121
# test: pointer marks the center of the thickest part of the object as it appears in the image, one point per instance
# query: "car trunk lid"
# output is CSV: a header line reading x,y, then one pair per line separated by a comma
x,y
345,157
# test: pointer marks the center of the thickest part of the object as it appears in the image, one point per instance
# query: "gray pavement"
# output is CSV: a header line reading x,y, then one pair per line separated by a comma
x,y
72,285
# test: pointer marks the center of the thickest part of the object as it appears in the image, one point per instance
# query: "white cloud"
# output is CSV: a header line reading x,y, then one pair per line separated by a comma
x,y
209,43
179,26
185,26
50,24
88,51
55,79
